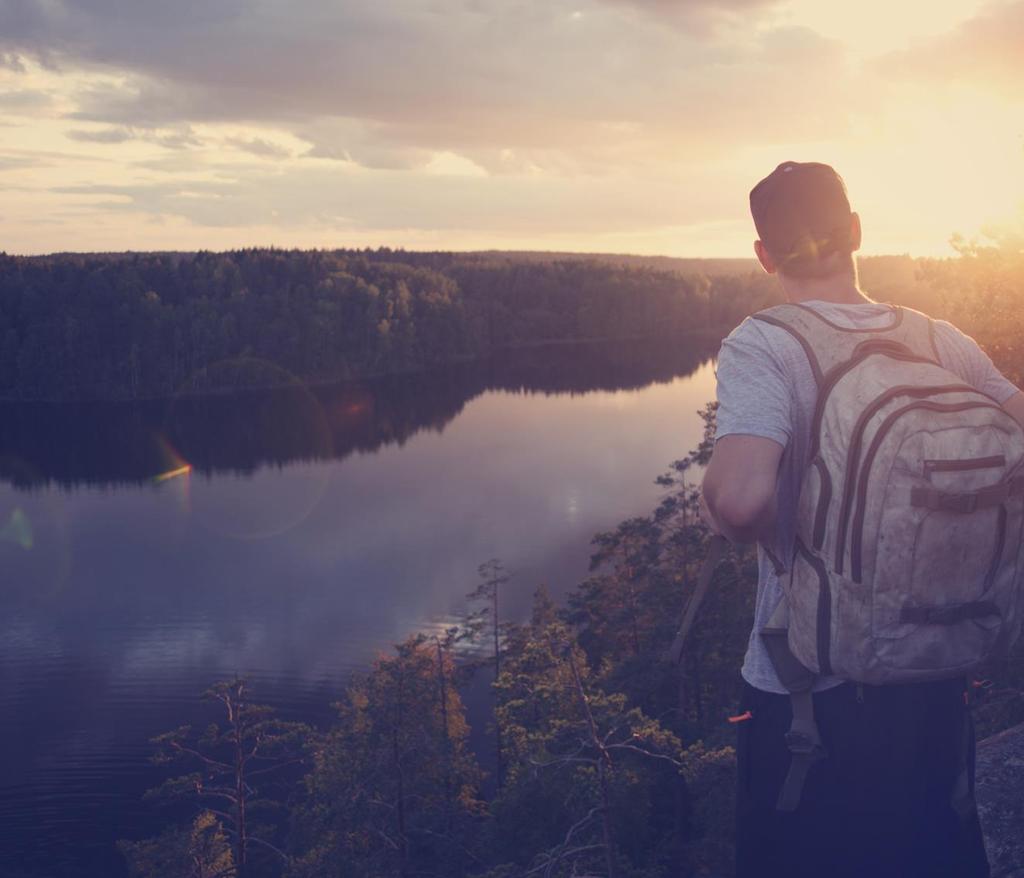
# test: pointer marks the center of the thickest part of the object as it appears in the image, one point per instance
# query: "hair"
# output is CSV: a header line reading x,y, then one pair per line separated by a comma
x,y
816,267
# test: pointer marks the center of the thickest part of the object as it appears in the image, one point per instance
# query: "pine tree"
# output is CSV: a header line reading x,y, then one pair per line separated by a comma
x,y
583,766
393,789
238,767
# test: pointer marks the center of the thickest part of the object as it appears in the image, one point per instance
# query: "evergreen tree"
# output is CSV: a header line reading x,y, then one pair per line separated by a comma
x,y
485,625
393,788
239,767
586,772
201,851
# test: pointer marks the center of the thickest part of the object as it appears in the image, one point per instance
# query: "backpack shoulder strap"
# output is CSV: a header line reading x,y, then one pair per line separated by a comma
x,y
828,344
803,738
917,332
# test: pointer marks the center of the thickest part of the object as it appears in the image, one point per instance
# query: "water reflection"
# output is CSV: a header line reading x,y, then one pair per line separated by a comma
x,y
110,443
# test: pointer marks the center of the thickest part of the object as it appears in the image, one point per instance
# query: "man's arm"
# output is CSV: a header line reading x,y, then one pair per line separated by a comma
x,y
739,486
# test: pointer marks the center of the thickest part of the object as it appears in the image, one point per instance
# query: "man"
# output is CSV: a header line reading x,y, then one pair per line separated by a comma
x,y
879,804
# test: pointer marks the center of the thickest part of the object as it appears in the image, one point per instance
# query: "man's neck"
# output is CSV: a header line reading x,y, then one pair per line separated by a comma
x,y
838,290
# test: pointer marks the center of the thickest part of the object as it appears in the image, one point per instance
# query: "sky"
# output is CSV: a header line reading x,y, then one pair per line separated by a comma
x,y
627,126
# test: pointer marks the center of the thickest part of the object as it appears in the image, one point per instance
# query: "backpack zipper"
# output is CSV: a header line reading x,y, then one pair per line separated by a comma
x,y
857,534
853,452
958,464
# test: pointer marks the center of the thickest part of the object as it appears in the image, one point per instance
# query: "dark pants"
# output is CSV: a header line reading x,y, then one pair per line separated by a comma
x,y
879,806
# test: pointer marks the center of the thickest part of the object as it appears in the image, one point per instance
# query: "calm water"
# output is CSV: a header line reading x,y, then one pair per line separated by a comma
x,y
312,530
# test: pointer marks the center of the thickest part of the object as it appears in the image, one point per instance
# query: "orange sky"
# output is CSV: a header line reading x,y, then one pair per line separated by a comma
x,y
594,125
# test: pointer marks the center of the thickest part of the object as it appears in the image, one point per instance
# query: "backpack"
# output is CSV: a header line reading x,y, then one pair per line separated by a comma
x,y
907,563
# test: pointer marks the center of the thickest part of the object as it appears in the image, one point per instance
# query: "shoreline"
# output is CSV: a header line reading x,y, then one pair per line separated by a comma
x,y
704,335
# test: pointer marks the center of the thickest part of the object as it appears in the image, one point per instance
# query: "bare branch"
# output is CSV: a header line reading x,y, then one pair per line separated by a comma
x,y
271,768
548,864
181,748
267,844
649,753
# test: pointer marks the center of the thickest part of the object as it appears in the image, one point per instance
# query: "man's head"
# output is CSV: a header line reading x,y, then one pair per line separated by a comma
x,y
804,223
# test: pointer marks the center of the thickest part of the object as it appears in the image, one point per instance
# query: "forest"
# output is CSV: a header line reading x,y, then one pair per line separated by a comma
x,y
603,758
155,325
137,326
141,326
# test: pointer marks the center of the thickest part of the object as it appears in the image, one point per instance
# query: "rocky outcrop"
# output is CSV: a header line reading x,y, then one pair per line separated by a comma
x,y
1000,793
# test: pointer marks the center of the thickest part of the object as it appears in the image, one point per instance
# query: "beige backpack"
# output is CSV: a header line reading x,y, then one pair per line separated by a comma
x,y
907,564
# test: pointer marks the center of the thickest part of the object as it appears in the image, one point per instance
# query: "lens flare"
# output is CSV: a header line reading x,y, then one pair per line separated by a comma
x,y
272,428
174,473
18,530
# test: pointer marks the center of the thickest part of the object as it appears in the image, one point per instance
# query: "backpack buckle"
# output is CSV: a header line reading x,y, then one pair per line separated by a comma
x,y
802,744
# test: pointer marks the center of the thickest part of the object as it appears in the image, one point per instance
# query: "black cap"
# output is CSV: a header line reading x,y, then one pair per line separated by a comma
x,y
801,213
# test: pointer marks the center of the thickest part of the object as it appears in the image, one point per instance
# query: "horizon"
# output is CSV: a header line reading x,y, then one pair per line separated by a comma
x,y
599,127
342,248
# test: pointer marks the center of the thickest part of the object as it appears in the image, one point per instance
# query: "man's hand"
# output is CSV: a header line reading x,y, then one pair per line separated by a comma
x,y
739,487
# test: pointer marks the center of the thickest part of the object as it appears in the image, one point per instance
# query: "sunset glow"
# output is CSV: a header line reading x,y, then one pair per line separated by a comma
x,y
592,125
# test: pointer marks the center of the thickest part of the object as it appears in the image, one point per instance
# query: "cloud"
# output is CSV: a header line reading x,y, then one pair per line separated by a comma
x,y
698,15
25,101
259,147
987,50
563,83
104,135
351,198
180,137
16,163
703,6
10,61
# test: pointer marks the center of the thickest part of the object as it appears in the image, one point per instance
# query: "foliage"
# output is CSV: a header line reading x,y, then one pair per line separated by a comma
x,y
586,770
393,787
484,623
238,770
982,292
628,610
201,851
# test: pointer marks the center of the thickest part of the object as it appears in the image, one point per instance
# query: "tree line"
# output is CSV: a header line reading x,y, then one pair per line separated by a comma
x,y
149,325
140,325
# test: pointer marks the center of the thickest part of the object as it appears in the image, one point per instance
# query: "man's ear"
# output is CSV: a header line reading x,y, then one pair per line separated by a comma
x,y
765,258
854,232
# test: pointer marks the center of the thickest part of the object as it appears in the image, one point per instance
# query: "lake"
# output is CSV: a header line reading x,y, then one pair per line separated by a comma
x,y
288,536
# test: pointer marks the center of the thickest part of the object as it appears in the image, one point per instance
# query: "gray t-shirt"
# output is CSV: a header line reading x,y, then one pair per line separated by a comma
x,y
765,388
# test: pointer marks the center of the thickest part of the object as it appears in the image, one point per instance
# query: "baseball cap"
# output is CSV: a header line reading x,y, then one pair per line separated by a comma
x,y
801,212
